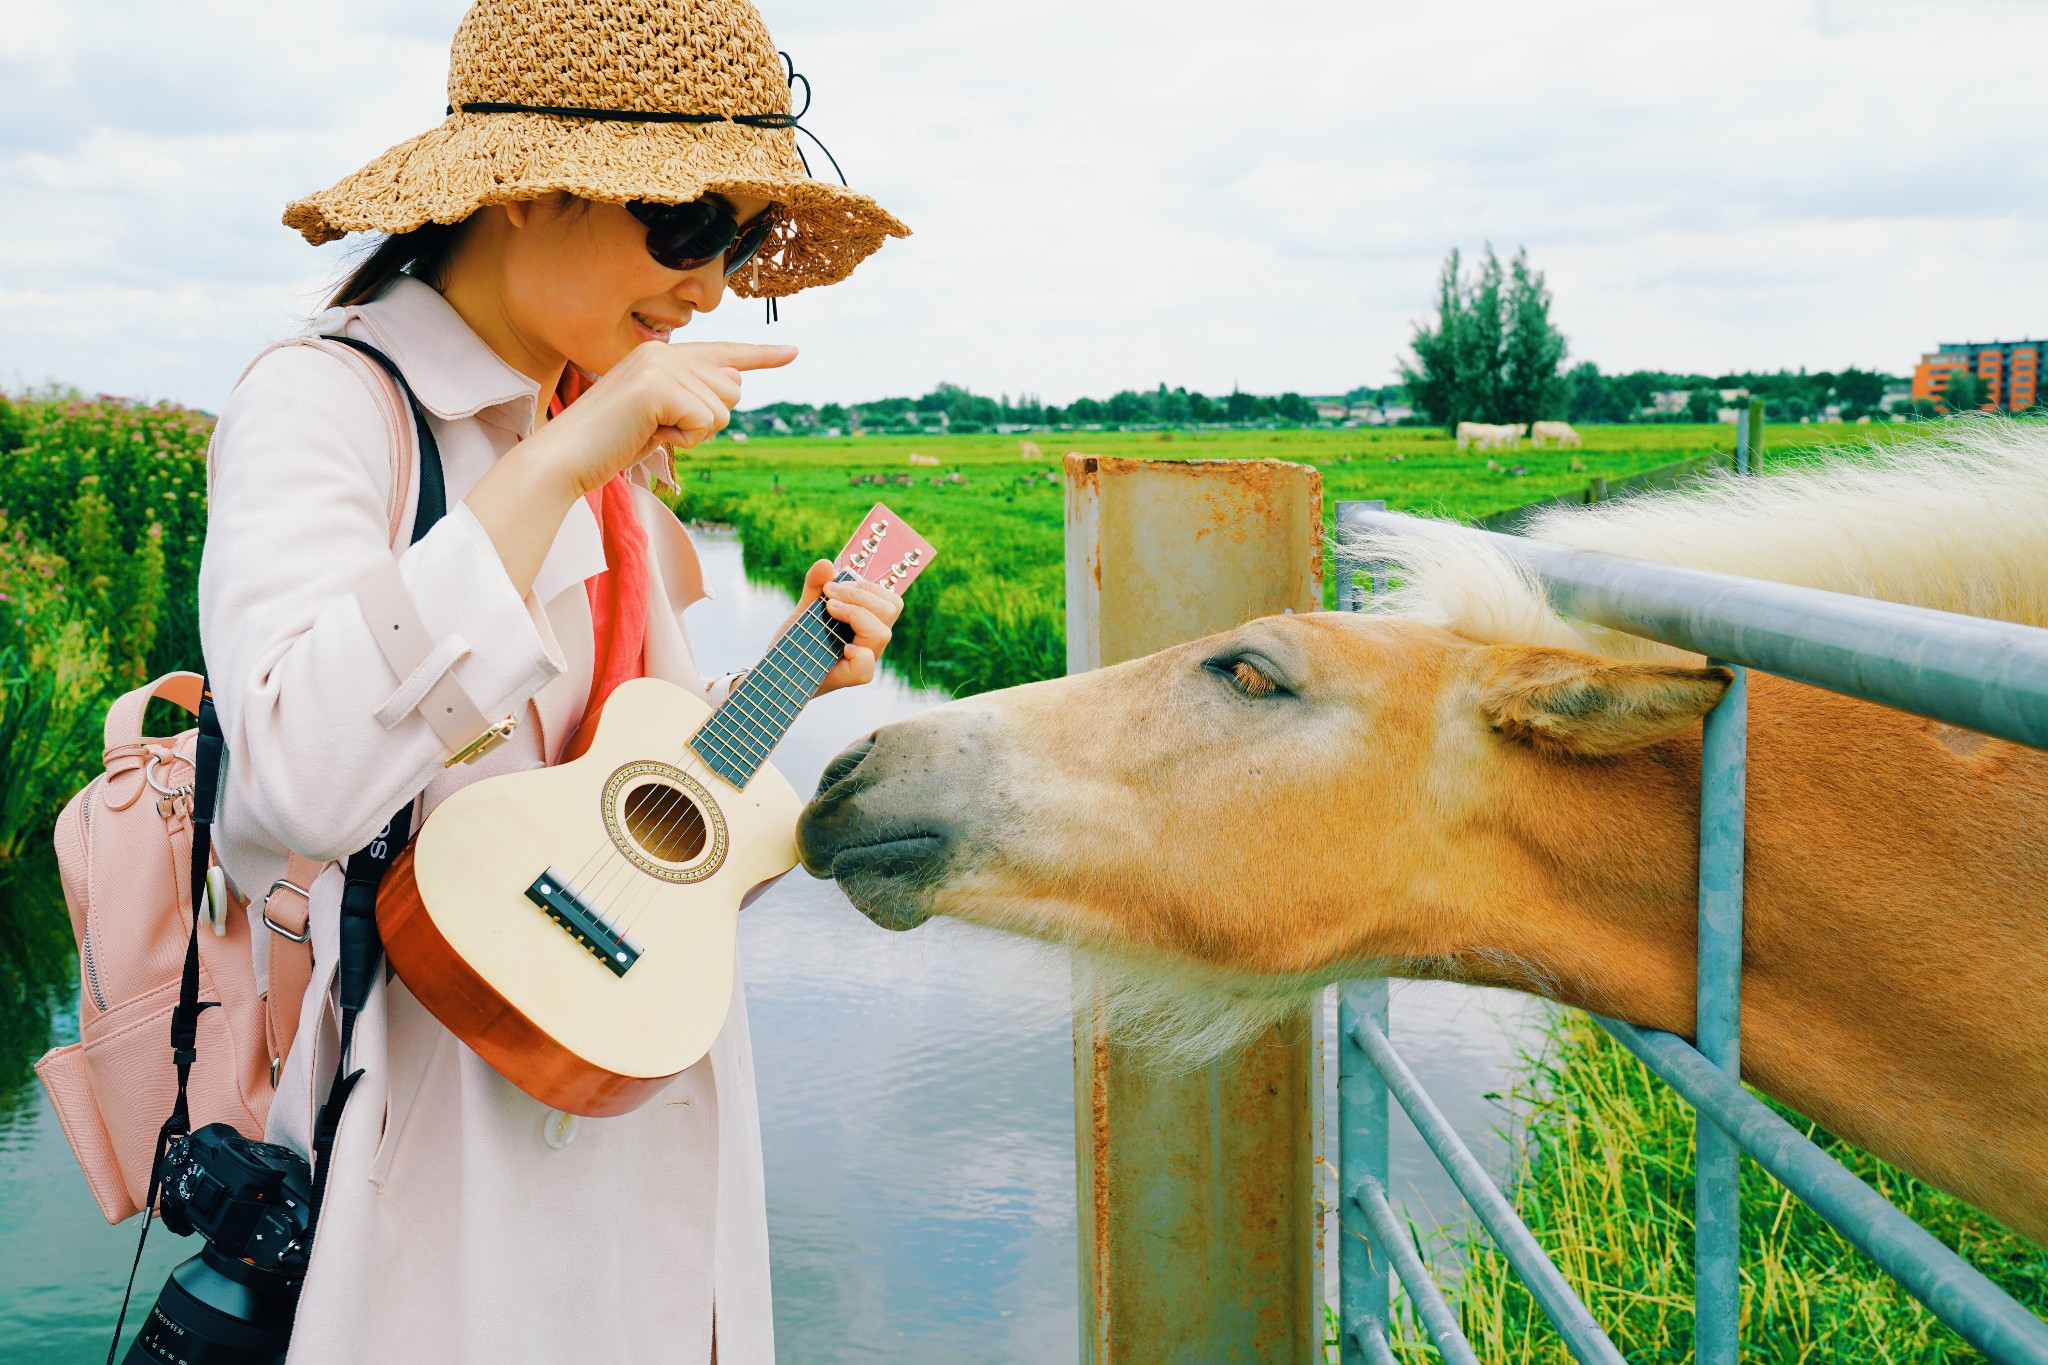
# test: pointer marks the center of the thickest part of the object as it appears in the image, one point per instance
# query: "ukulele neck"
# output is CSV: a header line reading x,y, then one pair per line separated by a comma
x,y
738,737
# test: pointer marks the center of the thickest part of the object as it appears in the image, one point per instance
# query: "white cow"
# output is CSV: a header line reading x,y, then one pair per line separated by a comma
x,y
1488,436
1029,450
1561,432
916,458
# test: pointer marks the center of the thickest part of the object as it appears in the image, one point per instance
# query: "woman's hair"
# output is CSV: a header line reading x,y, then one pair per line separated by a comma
x,y
423,252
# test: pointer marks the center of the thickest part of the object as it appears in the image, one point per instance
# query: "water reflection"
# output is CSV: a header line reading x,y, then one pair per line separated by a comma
x,y
36,962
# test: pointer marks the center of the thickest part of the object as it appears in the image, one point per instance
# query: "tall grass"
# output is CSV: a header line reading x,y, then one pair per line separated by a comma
x,y
1607,1188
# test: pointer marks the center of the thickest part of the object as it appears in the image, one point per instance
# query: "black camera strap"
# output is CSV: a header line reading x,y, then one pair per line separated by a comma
x,y
185,1014
362,949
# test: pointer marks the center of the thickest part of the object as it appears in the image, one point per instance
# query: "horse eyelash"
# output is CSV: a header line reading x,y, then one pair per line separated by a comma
x,y
1246,677
1252,682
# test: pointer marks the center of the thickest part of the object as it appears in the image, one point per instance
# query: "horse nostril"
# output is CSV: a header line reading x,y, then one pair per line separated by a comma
x,y
841,768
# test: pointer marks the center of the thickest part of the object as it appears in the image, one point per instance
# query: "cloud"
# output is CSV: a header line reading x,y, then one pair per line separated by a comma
x,y
1118,192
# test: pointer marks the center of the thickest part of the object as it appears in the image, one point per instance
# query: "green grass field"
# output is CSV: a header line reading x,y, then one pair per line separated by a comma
x,y
1607,1187
991,611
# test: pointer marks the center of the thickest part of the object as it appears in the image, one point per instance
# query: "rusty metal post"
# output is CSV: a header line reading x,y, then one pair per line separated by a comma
x,y
1200,1213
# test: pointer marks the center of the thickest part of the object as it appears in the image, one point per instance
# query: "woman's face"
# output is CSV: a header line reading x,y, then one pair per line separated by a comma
x,y
575,280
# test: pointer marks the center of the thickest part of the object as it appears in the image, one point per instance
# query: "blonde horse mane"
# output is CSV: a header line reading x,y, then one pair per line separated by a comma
x,y
1957,521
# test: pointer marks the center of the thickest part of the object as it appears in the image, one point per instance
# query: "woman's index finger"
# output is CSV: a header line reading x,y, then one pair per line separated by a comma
x,y
743,355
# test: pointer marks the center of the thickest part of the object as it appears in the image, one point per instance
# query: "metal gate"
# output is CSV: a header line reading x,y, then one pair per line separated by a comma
x,y
1986,676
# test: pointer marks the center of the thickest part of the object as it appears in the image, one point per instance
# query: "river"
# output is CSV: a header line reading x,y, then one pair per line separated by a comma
x,y
916,1107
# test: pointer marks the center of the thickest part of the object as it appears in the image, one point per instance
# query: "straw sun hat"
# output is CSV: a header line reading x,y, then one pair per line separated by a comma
x,y
615,100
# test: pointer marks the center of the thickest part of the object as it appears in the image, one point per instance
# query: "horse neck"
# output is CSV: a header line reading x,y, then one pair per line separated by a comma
x,y
1893,904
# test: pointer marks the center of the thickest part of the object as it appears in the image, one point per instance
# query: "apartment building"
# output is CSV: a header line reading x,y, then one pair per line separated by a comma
x,y
2010,371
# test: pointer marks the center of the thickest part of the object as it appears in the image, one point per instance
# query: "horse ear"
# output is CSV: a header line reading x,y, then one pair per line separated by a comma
x,y
1568,702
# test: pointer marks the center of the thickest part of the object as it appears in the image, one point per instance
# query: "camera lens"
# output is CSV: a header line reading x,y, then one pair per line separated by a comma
x,y
215,1310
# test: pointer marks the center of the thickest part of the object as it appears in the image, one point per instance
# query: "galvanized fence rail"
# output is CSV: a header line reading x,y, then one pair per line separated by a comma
x,y
1984,675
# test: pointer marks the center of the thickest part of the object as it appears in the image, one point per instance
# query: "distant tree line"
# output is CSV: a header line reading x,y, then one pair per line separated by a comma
x,y
956,409
1587,395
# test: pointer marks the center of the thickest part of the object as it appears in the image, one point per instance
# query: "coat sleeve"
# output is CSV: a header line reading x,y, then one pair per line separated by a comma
x,y
298,515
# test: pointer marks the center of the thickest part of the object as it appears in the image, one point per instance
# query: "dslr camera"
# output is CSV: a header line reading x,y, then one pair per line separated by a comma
x,y
232,1304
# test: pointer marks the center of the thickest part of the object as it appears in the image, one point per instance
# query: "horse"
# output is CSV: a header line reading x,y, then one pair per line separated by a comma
x,y
1469,787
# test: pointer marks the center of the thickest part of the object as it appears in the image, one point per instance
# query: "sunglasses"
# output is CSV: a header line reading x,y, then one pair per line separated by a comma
x,y
686,236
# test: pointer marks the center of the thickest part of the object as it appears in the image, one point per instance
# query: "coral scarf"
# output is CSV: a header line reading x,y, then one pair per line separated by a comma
x,y
618,596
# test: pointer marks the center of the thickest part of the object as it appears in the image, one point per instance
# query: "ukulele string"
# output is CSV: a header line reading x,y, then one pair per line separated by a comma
x,y
594,884
815,629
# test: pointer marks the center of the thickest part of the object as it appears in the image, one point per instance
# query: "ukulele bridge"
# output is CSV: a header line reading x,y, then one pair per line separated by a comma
x,y
592,928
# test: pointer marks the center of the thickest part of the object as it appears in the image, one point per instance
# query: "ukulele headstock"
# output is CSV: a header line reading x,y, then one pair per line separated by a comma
x,y
885,550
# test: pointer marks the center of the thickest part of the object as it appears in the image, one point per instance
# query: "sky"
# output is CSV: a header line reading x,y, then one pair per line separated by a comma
x,y
1111,194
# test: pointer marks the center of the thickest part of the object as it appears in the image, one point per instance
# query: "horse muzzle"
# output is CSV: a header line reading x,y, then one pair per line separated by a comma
x,y
887,819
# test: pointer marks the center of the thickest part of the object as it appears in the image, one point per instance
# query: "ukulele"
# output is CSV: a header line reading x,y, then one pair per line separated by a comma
x,y
576,924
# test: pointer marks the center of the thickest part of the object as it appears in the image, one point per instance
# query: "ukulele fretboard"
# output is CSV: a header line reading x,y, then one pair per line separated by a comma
x,y
752,720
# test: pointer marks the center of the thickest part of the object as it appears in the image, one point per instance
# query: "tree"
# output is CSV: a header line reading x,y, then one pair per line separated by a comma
x,y
1493,354
1965,392
1589,396
1532,348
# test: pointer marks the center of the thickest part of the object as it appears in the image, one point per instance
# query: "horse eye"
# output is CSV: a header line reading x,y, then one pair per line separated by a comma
x,y
1246,677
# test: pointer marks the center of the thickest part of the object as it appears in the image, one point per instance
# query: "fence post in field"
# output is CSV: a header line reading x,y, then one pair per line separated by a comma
x,y
1749,437
1199,1216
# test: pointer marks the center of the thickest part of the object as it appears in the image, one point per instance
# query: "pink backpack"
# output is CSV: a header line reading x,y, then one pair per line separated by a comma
x,y
124,850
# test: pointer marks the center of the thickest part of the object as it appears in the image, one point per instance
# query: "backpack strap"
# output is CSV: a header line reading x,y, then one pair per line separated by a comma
x,y
391,406
286,907
362,948
124,717
287,910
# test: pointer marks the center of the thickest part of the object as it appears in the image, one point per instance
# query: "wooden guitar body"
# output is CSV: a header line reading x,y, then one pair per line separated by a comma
x,y
575,925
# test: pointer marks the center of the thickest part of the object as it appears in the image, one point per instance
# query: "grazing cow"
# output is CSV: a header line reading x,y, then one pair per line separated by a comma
x,y
1488,436
1193,821
1561,432
1029,450
916,458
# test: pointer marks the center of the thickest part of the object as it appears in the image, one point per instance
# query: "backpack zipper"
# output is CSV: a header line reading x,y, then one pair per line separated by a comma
x,y
92,976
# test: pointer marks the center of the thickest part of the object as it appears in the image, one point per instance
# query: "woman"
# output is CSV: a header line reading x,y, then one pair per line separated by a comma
x,y
606,170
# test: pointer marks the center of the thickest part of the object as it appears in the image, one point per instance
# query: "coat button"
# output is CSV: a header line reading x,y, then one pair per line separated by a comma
x,y
558,1128
328,320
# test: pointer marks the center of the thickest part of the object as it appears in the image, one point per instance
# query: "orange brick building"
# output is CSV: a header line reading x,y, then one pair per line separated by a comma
x,y
2010,371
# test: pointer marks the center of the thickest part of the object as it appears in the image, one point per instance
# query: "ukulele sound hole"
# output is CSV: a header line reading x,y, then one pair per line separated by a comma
x,y
664,821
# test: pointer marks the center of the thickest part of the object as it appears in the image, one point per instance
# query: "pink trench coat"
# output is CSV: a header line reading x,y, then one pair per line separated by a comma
x,y
454,1230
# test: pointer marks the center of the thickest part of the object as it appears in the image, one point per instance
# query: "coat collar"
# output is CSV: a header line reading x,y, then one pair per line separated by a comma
x,y
451,369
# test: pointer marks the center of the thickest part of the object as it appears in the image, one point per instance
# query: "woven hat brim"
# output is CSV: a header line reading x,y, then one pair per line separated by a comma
x,y
473,160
